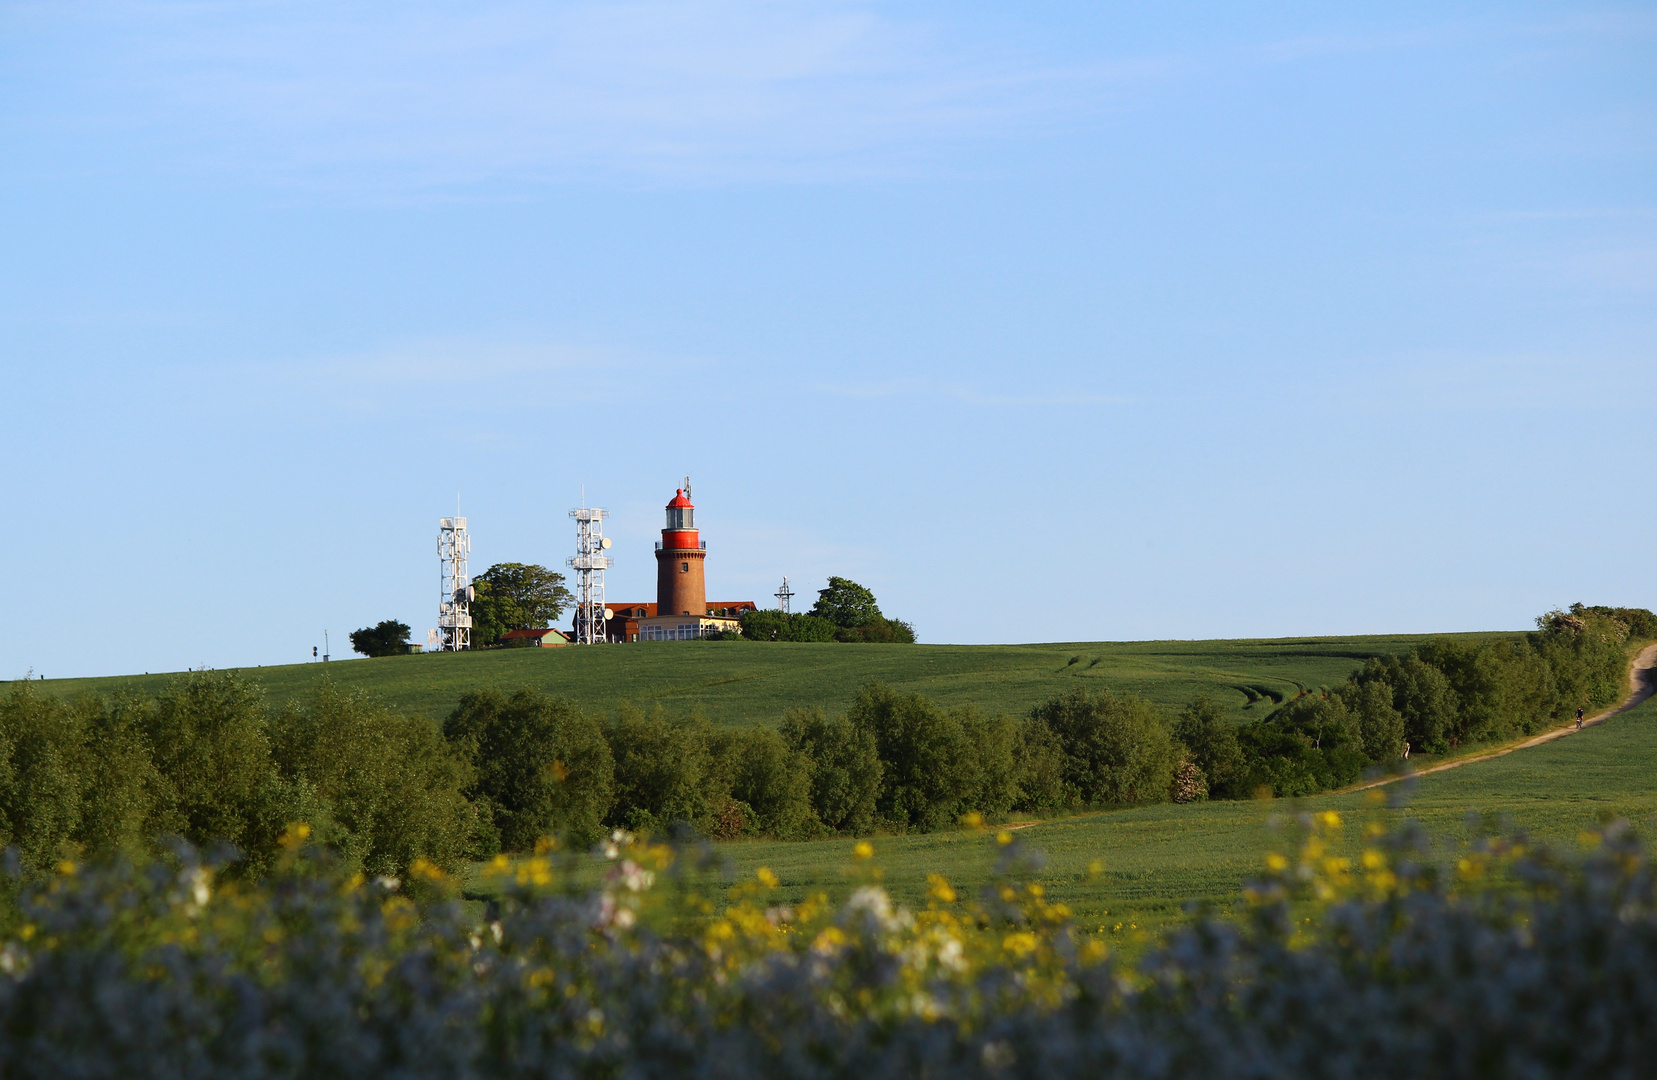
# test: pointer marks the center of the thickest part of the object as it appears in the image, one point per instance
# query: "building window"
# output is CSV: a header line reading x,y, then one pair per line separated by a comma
x,y
684,568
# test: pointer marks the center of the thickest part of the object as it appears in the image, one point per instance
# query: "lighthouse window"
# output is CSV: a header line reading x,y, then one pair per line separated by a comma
x,y
684,568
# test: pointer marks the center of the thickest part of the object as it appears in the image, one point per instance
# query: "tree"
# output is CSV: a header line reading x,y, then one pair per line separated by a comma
x,y
1117,747
1212,740
665,771
845,768
929,768
845,603
395,790
542,765
773,625
388,638
516,596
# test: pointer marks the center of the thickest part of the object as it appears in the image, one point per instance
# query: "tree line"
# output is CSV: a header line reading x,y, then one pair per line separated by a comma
x,y
208,761
1444,694
524,596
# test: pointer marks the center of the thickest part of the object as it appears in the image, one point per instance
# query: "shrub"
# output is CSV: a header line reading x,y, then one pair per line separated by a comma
x,y
664,771
770,625
1041,786
998,767
928,767
1307,745
216,781
394,789
771,778
386,638
1535,963
43,771
1380,726
1422,696
846,770
1584,652
540,766
879,630
1117,747
1211,741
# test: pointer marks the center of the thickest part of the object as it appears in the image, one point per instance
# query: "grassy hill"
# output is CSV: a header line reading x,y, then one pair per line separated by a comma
x,y
1157,858
748,682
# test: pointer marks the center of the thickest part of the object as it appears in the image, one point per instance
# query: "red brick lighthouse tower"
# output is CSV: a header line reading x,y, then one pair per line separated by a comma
x,y
681,611
681,587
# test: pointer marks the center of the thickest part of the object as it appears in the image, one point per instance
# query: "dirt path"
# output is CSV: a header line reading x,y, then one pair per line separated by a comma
x,y
1642,683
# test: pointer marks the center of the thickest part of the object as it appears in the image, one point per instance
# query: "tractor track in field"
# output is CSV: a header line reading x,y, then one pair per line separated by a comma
x,y
1642,684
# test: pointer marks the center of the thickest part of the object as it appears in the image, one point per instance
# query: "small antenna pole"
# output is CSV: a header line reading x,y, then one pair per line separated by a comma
x,y
325,649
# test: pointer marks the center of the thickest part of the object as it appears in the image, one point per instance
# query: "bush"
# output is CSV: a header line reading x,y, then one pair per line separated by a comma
x,y
1380,726
1211,741
998,767
846,769
216,781
1041,786
1307,745
387,638
878,630
1584,651
1117,747
1421,694
394,789
1543,964
771,778
928,764
44,769
771,625
664,771
540,767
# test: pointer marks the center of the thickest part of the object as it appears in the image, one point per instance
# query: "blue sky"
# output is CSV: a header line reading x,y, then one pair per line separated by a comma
x,y
1046,321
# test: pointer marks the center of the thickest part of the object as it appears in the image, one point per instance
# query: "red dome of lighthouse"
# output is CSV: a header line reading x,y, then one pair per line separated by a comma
x,y
679,499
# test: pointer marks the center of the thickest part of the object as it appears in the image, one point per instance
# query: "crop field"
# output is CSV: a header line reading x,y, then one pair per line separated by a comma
x,y
749,682
1156,859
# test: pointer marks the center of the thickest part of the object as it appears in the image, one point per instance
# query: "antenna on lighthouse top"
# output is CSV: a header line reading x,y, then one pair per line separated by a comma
x,y
687,487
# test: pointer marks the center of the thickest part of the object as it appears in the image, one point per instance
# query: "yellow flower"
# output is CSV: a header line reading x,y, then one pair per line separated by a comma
x,y
767,878
863,850
1022,943
1003,837
1276,862
1330,819
938,890
974,820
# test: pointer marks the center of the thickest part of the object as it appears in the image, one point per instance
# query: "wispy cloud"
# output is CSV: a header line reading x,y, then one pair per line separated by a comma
x,y
432,94
924,388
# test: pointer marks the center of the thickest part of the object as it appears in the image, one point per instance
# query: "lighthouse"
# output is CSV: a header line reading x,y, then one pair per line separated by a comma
x,y
681,611
681,586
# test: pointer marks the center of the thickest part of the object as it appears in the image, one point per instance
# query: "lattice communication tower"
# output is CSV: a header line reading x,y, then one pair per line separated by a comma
x,y
454,605
784,595
589,563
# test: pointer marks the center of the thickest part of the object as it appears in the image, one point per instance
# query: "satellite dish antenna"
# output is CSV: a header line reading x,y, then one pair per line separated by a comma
x,y
608,614
607,543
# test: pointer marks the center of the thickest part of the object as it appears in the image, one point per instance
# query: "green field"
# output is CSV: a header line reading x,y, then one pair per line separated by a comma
x,y
1158,858
749,682
1155,859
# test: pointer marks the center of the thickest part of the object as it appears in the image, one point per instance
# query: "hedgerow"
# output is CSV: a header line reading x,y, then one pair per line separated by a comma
x,y
207,761
1511,960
